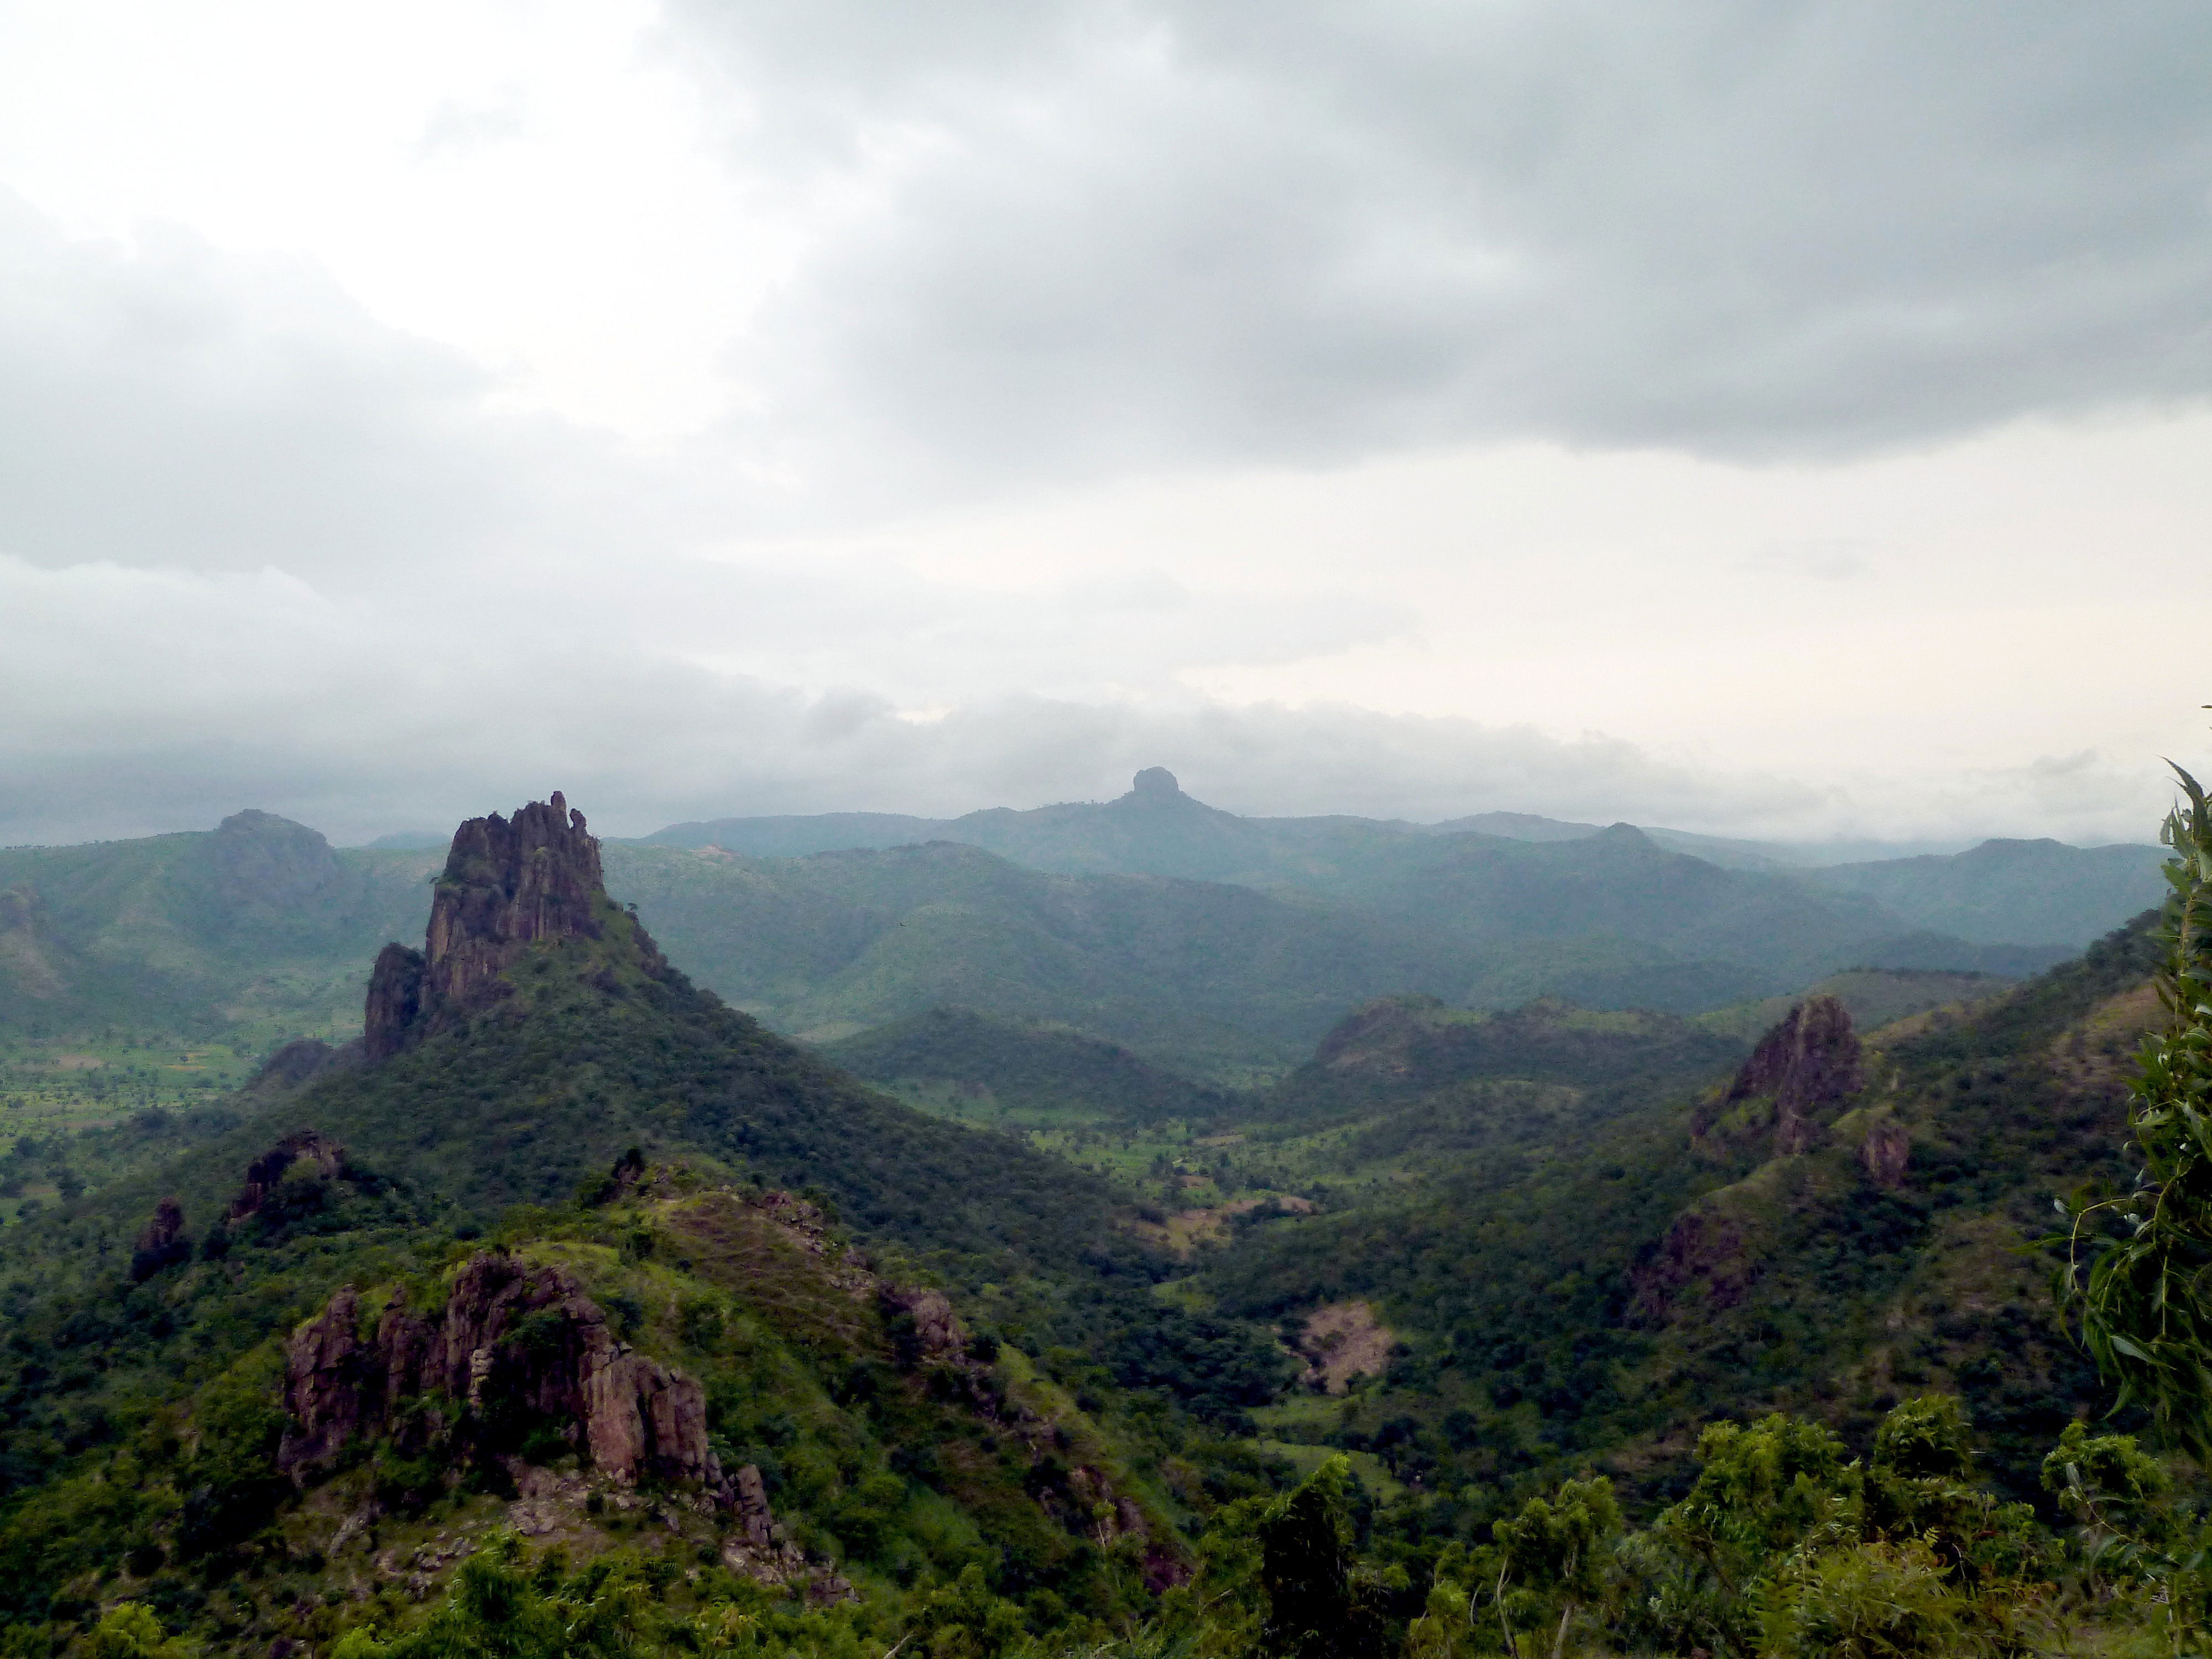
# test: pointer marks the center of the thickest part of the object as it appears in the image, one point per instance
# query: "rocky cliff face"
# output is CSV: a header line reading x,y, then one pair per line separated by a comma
x,y
27,948
1807,1065
507,884
510,1339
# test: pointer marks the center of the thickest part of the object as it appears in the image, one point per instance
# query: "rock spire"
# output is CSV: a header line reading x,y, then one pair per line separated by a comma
x,y
1807,1064
507,884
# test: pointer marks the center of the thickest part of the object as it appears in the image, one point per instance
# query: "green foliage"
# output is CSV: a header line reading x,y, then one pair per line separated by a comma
x,y
2144,1292
1308,1554
129,1630
1868,1600
971,1065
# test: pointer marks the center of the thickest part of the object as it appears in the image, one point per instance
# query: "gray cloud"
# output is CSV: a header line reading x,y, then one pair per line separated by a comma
x,y
1106,233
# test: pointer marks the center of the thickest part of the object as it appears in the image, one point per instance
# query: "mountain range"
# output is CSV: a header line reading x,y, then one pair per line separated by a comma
x,y
565,1269
1209,942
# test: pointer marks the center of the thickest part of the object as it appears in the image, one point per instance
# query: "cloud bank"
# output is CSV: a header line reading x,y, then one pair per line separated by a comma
x,y
1106,233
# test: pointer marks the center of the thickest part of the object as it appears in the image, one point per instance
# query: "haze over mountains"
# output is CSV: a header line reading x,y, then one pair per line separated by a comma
x,y
1204,940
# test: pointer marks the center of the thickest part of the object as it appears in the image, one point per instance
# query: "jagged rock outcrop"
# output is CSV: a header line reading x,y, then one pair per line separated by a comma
x,y
161,1242
395,1001
262,1176
510,1339
507,884
1886,1153
1155,784
1807,1065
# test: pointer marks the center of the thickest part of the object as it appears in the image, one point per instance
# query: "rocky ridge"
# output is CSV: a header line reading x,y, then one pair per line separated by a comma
x,y
518,1343
511,1337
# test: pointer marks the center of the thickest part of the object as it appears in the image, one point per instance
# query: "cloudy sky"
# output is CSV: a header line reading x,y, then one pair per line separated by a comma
x,y
1776,419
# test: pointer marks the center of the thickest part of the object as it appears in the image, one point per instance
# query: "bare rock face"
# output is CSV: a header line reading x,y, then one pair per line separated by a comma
x,y
161,1243
1886,1152
1807,1065
26,946
507,884
395,999
508,1336
265,1171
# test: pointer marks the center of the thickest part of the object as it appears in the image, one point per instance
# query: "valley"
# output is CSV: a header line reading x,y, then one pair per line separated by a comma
x,y
987,1248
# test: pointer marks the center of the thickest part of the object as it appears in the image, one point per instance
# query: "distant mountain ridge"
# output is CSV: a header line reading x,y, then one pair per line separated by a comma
x,y
1995,893
1206,941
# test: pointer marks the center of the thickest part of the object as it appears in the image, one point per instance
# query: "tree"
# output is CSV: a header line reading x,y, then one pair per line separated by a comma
x,y
1307,1555
2144,1295
1555,1551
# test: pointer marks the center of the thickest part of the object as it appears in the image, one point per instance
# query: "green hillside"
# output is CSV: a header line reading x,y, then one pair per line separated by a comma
x,y
914,1461
1200,975
2012,891
257,929
573,1310
968,1066
2003,892
1596,1295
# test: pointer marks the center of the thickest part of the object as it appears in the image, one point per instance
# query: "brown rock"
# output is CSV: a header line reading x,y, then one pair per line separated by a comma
x,y
507,885
161,1242
395,999
525,1335
924,1326
1886,1152
753,1511
328,1386
1807,1065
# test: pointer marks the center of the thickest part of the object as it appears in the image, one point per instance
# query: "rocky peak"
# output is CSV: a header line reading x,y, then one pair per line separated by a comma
x,y
1807,1065
261,861
1155,785
508,883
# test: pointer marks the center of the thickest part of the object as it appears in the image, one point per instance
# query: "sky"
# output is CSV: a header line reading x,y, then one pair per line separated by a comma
x,y
1775,420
